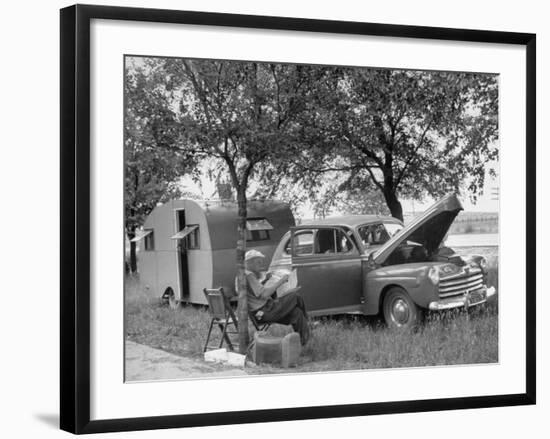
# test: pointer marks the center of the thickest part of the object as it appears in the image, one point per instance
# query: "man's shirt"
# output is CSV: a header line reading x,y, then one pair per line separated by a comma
x,y
257,293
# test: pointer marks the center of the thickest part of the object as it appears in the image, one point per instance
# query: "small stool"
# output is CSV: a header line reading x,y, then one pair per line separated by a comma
x,y
276,350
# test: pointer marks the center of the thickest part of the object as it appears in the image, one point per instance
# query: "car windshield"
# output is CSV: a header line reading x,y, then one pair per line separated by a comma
x,y
378,233
393,228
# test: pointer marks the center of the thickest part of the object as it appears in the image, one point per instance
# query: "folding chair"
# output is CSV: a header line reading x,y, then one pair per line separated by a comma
x,y
259,326
222,315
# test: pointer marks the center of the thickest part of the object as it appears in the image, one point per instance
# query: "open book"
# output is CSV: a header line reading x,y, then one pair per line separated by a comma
x,y
287,287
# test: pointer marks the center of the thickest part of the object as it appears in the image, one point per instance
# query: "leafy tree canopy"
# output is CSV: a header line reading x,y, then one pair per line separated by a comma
x,y
407,133
151,172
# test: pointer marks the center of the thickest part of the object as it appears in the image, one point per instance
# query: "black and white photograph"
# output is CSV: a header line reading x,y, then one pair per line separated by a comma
x,y
275,220
286,218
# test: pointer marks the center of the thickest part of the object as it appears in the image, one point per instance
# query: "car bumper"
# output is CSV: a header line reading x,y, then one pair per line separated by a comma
x,y
471,298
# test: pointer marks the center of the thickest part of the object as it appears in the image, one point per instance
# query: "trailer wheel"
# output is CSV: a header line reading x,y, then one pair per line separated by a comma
x,y
170,297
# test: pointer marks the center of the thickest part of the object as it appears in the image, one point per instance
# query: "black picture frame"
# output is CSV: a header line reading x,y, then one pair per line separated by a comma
x,y
75,217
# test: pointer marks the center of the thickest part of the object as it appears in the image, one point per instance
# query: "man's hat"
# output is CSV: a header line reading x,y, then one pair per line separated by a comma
x,y
251,254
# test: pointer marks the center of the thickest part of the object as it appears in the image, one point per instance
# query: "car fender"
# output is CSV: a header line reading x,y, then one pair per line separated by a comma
x,y
411,277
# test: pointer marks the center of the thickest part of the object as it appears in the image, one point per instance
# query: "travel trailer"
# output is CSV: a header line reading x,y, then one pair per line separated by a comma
x,y
188,245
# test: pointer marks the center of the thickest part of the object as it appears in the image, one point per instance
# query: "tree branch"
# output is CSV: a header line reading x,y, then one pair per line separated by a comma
x,y
278,94
375,181
413,154
200,93
233,173
187,150
246,174
365,150
330,169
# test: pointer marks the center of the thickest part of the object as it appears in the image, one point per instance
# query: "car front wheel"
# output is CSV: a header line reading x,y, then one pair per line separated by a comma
x,y
399,309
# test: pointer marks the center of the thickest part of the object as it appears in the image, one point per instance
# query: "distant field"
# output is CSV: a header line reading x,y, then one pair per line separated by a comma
x,y
468,222
472,240
338,343
474,222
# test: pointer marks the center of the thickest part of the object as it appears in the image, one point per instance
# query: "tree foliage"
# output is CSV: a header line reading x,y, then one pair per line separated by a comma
x,y
408,133
151,171
242,114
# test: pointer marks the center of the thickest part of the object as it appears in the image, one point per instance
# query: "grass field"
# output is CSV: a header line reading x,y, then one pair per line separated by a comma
x,y
337,343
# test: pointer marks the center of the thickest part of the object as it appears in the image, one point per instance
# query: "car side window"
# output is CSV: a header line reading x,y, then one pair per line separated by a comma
x,y
303,243
374,234
332,241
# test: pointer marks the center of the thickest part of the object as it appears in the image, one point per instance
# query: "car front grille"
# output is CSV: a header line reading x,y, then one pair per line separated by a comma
x,y
461,283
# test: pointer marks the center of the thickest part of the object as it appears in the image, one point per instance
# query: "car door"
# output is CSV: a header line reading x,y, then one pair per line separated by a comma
x,y
328,269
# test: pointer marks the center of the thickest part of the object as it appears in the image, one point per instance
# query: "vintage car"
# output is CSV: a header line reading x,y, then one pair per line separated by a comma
x,y
373,264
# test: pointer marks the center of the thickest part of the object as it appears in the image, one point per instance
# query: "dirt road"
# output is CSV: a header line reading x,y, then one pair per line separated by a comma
x,y
144,363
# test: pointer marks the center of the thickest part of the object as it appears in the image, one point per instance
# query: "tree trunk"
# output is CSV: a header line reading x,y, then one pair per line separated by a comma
x,y
133,259
394,204
242,310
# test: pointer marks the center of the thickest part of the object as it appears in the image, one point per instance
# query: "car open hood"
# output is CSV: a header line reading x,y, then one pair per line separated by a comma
x,y
428,229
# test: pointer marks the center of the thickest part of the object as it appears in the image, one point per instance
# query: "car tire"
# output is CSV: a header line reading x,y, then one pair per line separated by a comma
x,y
399,310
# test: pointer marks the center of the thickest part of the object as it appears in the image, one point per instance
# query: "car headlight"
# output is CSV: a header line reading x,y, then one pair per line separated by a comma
x,y
483,264
433,275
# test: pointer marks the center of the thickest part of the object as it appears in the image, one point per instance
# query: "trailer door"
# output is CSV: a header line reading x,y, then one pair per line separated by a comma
x,y
185,232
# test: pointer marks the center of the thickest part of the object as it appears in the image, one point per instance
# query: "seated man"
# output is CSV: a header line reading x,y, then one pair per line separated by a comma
x,y
287,310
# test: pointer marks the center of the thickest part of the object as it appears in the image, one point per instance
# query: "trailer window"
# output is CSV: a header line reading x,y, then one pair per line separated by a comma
x,y
188,237
149,241
193,239
257,229
257,235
